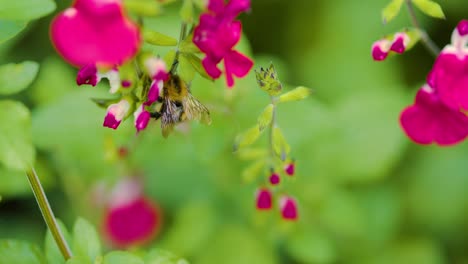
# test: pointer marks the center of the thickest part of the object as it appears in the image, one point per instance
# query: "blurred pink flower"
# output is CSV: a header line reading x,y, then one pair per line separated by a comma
x,y
288,208
217,34
142,118
95,32
264,199
275,178
290,169
116,113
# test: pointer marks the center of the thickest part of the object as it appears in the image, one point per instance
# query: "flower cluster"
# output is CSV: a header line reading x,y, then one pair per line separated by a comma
x,y
287,204
383,47
216,35
439,111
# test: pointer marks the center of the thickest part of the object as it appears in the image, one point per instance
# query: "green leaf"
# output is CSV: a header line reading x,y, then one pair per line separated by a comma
x,y
16,77
309,245
251,153
18,252
145,8
158,39
169,59
247,138
121,257
79,260
86,240
253,171
265,117
16,149
9,29
187,45
197,65
430,8
280,146
186,12
158,256
24,10
52,251
185,69
296,94
391,10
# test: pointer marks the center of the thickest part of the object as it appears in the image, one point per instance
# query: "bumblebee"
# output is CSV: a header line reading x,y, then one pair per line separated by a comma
x,y
179,105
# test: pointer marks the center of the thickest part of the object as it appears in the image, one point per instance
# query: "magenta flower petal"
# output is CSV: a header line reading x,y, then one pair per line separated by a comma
x,y
216,6
116,113
462,27
142,118
449,77
264,199
131,224
380,50
154,92
235,7
236,64
88,75
399,43
95,32
274,179
429,120
290,169
211,67
288,208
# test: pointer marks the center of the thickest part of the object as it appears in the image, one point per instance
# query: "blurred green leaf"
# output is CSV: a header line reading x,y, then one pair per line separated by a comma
x,y
251,153
158,256
391,10
169,58
187,45
79,260
253,171
197,65
280,145
16,77
23,10
308,245
52,251
16,149
18,252
430,8
145,8
9,29
121,257
185,69
158,39
296,94
86,240
186,12
265,117
247,138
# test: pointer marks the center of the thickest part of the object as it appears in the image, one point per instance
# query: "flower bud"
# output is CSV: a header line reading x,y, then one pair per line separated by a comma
x,y
380,49
116,113
264,199
400,42
88,75
288,208
290,168
142,118
156,68
462,27
274,179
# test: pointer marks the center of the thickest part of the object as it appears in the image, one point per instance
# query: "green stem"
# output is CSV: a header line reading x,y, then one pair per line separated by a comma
x,y
426,40
270,135
47,213
183,35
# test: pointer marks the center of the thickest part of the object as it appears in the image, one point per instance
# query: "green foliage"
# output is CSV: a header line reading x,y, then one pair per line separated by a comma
x,y
144,8
16,77
391,10
268,80
247,138
299,93
280,145
9,29
121,257
16,149
18,252
265,117
24,10
52,251
86,240
186,12
430,8
158,39
196,64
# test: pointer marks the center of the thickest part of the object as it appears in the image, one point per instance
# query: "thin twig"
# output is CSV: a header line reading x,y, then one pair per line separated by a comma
x,y
48,214
183,35
426,40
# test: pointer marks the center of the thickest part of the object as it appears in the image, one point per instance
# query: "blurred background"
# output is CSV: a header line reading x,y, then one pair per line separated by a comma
x,y
366,193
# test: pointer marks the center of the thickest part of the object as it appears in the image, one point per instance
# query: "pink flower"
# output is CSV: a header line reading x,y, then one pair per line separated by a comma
x,y
116,113
288,208
290,168
156,68
400,42
95,32
429,120
274,179
217,34
142,118
88,75
264,199
132,223
462,27
380,49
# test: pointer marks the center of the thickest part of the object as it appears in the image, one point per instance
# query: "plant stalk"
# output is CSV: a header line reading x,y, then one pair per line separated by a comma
x,y
426,40
48,214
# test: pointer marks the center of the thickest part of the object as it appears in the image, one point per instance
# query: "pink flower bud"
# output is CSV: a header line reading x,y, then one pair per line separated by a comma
x,y
380,49
264,199
126,83
156,68
275,179
88,75
290,168
154,91
142,118
288,208
116,113
462,27
400,42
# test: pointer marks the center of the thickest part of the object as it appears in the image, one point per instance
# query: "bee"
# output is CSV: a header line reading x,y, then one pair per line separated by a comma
x,y
179,105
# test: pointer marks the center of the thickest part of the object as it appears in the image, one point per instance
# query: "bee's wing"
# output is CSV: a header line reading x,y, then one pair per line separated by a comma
x,y
170,115
195,110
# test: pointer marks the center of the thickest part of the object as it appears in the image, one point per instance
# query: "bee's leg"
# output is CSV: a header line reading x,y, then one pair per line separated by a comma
x,y
155,115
